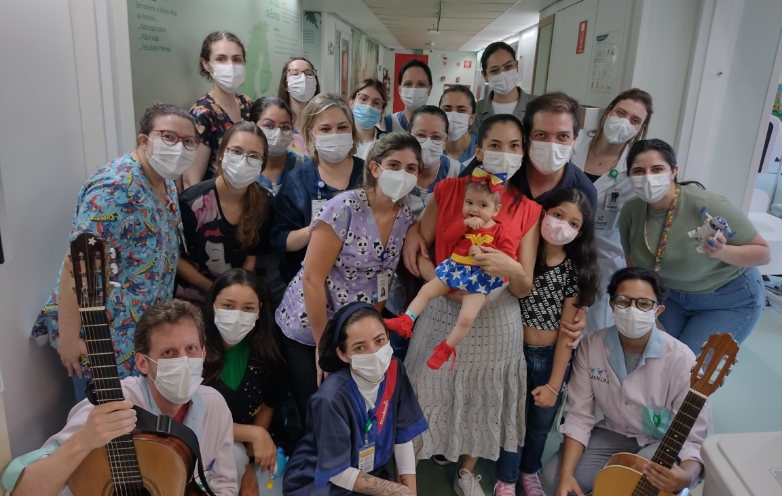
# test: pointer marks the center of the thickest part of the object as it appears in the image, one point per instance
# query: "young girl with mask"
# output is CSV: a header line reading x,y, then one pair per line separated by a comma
x,y
715,289
368,102
458,103
415,86
244,363
638,376
275,119
602,155
475,228
500,69
364,412
223,216
358,238
566,277
298,84
222,62
327,123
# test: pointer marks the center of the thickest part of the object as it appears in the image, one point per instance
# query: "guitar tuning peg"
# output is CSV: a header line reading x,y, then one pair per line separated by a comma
x,y
728,372
692,368
735,361
703,346
722,382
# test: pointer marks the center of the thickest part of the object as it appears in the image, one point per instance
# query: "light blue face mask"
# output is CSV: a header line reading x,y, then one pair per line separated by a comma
x,y
366,115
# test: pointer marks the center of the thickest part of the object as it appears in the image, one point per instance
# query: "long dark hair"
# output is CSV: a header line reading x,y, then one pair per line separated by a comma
x,y
329,360
263,339
664,149
582,251
282,90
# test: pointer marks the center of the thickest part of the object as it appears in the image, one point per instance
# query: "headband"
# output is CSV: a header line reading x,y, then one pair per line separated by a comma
x,y
350,310
495,181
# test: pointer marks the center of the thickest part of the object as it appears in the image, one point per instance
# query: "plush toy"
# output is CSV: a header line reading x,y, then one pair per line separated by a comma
x,y
279,468
711,227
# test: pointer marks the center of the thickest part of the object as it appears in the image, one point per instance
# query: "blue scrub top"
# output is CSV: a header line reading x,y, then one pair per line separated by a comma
x,y
469,153
292,159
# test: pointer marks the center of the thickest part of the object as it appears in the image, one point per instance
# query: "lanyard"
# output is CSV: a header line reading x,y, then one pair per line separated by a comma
x,y
658,258
321,185
367,428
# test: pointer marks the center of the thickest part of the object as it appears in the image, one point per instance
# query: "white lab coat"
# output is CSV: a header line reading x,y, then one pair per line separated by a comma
x,y
610,255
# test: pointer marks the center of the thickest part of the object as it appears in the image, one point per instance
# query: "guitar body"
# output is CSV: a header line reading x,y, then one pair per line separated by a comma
x,y
621,475
166,464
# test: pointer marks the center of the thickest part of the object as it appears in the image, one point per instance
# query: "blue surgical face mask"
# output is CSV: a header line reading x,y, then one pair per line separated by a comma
x,y
366,115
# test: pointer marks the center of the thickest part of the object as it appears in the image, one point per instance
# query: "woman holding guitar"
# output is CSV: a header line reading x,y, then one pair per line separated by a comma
x,y
639,377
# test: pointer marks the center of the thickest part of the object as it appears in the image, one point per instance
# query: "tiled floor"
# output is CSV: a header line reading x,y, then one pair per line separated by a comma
x,y
750,401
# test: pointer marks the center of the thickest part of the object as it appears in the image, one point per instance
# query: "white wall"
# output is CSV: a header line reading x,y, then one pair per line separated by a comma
x,y
42,167
569,71
450,71
526,54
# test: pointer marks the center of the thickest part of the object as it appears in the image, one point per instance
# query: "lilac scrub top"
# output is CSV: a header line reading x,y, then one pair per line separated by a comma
x,y
354,276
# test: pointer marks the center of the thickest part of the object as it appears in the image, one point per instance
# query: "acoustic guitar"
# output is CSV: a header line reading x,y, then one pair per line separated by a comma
x,y
141,464
623,474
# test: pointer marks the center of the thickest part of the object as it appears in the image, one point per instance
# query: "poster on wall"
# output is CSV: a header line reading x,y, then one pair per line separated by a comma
x,y
604,62
166,38
366,55
777,108
311,37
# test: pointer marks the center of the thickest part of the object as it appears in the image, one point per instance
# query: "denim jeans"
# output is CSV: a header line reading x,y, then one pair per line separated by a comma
x,y
734,307
540,361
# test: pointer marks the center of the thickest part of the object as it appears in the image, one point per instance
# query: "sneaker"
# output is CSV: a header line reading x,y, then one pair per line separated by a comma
x,y
504,489
402,325
441,460
442,352
531,484
467,484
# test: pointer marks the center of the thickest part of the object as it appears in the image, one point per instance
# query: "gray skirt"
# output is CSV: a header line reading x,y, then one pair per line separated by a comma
x,y
478,407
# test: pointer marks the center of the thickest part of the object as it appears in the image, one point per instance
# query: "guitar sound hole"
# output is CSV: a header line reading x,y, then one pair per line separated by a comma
x,y
148,489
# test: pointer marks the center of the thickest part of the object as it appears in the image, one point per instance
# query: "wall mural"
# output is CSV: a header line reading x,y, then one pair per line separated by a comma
x,y
366,56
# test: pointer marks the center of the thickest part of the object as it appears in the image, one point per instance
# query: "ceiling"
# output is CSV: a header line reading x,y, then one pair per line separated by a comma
x,y
410,20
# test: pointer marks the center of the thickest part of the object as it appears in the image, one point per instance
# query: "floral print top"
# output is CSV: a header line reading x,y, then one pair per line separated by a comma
x,y
361,263
212,122
117,203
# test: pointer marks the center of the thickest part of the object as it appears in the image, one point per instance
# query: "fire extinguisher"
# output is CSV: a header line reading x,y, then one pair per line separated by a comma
x,y
387,81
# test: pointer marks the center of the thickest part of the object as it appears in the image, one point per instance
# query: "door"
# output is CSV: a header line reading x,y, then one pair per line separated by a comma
x,y
401,59
542,55
343,63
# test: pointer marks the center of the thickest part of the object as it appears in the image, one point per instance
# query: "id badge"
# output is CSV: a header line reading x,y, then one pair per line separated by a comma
x,y
612,200
366,458
317,206
383,279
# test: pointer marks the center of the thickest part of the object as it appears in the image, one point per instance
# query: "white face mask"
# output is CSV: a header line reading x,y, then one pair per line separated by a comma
x,y
557,231
618,130
632,322
333,147
457,125
547,157
239,170
431,152
372,366
301,87
234,325
170,161
499,163
396,184
651,188
504,82
178,378
278,140
228,76
414,97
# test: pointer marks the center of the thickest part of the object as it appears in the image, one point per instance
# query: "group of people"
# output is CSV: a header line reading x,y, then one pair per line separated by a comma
x,y
257,251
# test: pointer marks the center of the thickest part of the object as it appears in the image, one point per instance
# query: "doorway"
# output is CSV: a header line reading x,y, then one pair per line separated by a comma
x,y
401,59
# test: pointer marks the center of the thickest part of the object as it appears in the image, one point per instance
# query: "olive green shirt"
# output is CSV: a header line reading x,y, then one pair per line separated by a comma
x,y
484,109
683,268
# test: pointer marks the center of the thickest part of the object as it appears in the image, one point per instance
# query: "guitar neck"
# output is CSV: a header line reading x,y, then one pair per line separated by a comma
x,y
674,439
123,461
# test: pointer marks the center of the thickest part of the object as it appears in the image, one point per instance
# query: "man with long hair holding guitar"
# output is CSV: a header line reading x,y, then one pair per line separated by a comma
x,y
639,376
170,349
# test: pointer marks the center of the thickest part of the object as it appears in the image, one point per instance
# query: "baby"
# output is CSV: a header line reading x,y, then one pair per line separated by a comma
x,y
477,228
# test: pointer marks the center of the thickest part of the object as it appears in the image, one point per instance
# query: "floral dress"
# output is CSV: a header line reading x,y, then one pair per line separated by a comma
x,y
360,266
117,203
212,122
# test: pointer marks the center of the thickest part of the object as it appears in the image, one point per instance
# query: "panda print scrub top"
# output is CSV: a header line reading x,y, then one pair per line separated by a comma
x,y
362,265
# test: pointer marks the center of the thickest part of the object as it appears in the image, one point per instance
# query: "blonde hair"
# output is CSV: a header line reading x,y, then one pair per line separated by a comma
x,y
317,106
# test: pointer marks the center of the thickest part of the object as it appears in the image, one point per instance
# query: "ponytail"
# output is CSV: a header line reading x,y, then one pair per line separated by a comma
x,y
256,210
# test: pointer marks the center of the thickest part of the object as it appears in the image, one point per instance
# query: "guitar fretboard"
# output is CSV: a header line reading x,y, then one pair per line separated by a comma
x,y
674,439
123,462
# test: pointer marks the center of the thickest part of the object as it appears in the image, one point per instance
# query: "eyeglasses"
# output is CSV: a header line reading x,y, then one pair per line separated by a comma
x,y
253,159
365,99
310,73
642,304
436,138
271,125
496,70
171,138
